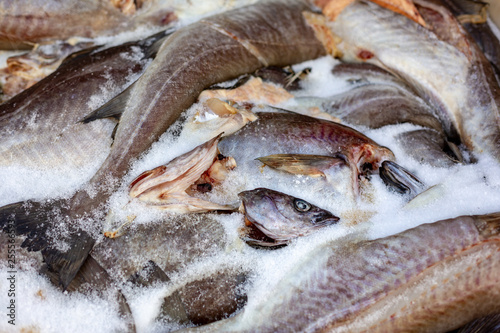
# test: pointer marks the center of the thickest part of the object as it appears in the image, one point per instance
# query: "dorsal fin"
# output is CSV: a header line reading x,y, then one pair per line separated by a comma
x,y
112,109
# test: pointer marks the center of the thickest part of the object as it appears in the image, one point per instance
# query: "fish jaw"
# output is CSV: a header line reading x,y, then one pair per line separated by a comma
x,y
282,217
165,186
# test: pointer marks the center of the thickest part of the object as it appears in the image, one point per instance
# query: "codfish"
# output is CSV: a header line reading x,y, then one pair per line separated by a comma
x,y
443,65
432,278
213,50
282,217
379,99
40,128
36,21
151,253
304,145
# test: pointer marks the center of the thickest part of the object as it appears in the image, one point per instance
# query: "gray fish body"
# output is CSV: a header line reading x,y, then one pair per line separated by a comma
x,y
172,243
379,99
215,49
380,105
288,133
150,254
412,281
445,69
40,128
36,21
429,147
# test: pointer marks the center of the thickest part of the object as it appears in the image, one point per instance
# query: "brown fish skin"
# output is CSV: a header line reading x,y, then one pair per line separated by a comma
x,y
215,49
36,21
40,127
293,134
432,278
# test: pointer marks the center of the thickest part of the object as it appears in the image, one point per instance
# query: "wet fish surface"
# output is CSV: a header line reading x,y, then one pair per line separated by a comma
x,y
41,127
466,93
34,21
300,144
212,50
282,217
411,281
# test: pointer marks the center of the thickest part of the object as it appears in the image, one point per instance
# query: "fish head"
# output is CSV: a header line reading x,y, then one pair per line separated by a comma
x,y
283,217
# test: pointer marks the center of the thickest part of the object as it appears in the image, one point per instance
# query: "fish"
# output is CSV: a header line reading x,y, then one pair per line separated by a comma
x,y
212,50
446,69
24,70
435,277
153,252
165,186
41,128
33,21
299,144
377,99
282,217
473,17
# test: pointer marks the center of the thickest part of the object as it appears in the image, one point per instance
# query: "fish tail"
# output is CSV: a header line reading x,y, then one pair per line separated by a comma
x,y
36,221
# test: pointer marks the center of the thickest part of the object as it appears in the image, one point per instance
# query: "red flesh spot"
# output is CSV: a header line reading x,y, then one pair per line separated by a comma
x,y
365,55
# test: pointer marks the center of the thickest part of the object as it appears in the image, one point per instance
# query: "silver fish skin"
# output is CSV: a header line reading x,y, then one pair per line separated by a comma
x,y
432,278
374,90
40,128
443,65
213,50
276,134
282,217
149,254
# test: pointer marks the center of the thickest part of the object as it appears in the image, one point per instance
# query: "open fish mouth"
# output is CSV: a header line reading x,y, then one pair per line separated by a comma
x,y
165,186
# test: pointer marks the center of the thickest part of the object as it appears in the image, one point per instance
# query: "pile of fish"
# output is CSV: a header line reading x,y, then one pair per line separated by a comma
x,y
201,166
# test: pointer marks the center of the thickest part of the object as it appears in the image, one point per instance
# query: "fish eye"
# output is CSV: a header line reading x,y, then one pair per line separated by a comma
x,y
301,205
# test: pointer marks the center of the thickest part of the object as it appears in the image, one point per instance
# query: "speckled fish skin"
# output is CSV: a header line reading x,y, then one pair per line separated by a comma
x,y
40,127
212,50
445,67
283,217
290,133
35,21
376,90
432,278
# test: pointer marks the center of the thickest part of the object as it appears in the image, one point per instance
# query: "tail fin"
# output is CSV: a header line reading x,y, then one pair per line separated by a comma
x,y
35,221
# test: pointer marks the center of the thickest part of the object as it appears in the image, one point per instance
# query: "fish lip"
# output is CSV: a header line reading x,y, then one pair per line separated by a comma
x,y
326,222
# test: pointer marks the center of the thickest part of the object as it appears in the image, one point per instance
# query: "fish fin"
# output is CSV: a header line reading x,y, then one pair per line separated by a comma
x,y
80,54
312,165
153,43
399,179
92,276
33,219
112,109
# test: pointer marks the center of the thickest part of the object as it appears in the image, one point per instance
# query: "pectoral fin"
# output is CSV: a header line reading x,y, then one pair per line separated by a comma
x,y
312,165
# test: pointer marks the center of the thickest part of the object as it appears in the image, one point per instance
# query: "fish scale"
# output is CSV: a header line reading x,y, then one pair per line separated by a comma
x,y
383,286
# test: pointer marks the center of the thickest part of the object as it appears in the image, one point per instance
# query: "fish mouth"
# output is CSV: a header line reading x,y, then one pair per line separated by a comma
x,y
165,186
